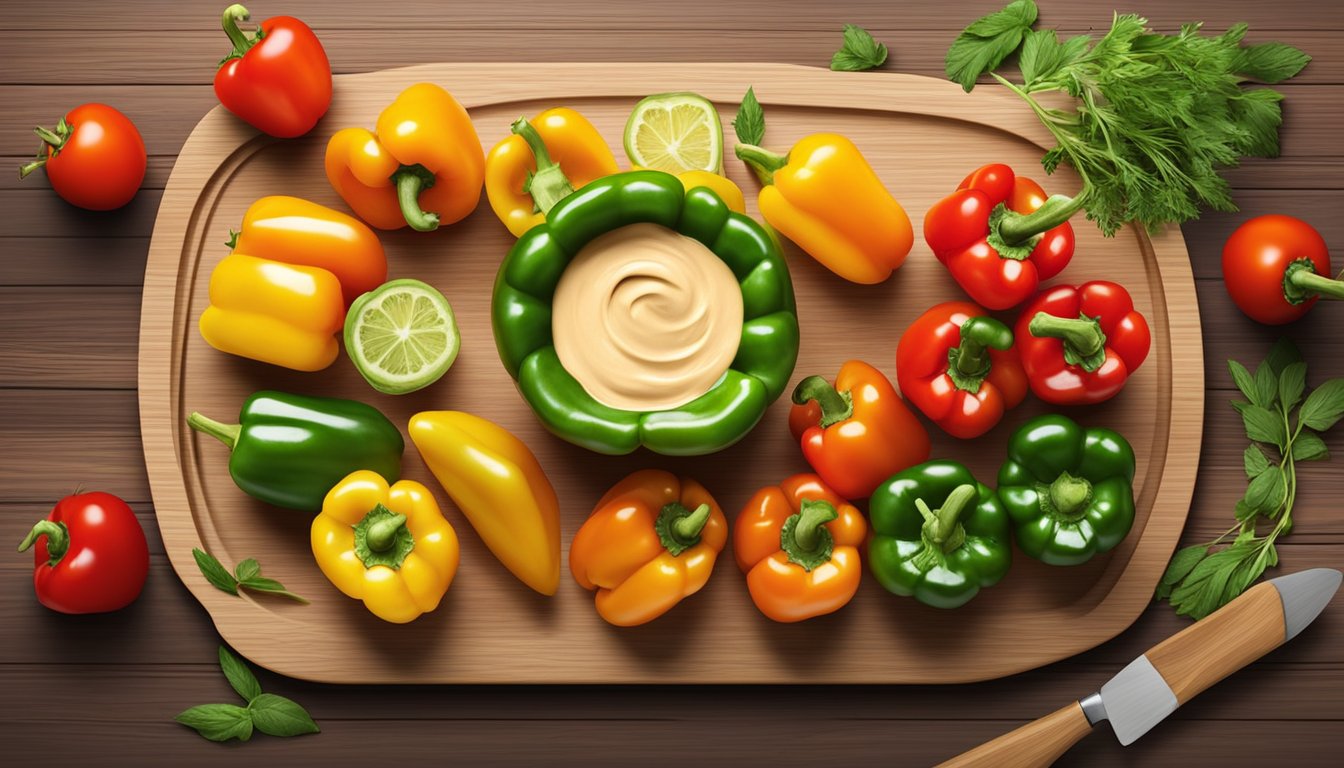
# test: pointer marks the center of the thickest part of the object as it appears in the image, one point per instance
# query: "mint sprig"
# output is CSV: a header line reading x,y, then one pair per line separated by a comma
x,y
266,712
859,52
749,125
246,575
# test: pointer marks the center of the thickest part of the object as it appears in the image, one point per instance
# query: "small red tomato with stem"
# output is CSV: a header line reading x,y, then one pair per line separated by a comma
x,y
1275,267
94,157
89,554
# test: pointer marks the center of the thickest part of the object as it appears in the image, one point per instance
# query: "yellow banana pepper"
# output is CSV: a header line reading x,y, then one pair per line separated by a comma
x,y
389,546
825,197
541,163
498,484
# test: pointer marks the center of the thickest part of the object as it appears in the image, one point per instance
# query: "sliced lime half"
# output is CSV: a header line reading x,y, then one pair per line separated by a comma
x,y
401,336
675,132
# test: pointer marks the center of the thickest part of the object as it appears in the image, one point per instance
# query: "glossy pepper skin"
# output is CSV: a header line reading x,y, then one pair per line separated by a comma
x,y
389,546
963,231
423,167
1067,489
858,432
280,296
497,483
798,545
1080,345
939,535
824,196
650,542
540,163
521,318
1277,267
960,368
279,80
290,450
90,555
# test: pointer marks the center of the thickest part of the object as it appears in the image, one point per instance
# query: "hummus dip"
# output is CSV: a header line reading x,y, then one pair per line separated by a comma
x,y
646,319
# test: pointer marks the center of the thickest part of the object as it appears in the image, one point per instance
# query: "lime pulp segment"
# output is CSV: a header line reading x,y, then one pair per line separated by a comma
x,y
404,337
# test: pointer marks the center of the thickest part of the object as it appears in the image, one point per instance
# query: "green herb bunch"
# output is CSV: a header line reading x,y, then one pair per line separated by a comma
x,y
1204,577
266,712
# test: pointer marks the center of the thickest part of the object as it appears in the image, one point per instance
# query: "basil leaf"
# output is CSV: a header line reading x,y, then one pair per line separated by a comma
x,y
1254,461
1271,62
270,586
215,573
1267,491
278,716
1247,571
1266,387
239,676
1324,406
983,45
247,569
1242,378
859,51
1264,426
1308,446
1285,352
1292,383
749,125
218,722
1183,562
1201,593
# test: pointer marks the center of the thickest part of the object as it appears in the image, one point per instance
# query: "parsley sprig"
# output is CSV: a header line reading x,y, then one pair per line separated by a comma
x,y
1155,117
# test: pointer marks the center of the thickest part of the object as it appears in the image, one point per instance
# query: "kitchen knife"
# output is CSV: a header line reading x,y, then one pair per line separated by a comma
x,y
1169,674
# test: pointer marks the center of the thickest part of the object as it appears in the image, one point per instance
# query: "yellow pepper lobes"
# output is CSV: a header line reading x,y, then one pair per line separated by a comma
x,y
423,167
541,163
729,192
498,484
825,197
389,546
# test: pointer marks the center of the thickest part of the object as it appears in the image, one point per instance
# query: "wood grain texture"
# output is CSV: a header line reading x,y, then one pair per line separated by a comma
x,y
1037,744
109,685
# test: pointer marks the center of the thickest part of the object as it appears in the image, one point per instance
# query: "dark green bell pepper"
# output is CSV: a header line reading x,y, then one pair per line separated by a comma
x,y
289,450
521,318
1068,490
938,535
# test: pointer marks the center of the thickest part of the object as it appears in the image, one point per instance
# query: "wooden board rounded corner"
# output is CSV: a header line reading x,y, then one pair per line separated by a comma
x,y
490,628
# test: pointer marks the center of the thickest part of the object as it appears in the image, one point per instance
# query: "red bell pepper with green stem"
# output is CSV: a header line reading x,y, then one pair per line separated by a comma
x,y
90,555
857,433
1079,345
278,80
994,253
1275,268
960,368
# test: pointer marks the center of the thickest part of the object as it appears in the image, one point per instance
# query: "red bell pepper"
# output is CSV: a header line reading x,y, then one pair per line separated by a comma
x,y
998,271
279,80
960,368
857,433
91,555
1275,268
1080,345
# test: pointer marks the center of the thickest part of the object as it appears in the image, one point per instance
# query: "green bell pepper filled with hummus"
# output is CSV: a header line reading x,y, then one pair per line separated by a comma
x,y
642,313
1069,490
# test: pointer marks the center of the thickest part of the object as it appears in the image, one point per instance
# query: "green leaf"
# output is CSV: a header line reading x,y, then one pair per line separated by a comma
x,y
1246,572
218,722
1267,491
1244,512
215,573
239,676
278,716
1308,446
247,569
750,121
1324,406
1271,62
1284,354
1201,592
1254,461
1183,562
859,52
983,45
1266,387
1244,381
271,586
1257,116
1264,426
1292,382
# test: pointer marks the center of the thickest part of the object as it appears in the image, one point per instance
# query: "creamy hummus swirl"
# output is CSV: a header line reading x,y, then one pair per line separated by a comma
x,y
646,319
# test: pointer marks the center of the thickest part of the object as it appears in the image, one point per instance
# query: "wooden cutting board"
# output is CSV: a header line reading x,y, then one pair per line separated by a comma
x,y
922,136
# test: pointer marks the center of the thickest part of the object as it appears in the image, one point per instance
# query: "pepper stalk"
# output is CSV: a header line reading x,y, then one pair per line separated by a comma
x,y
1302,282
835,406
943,532
547,185
968,363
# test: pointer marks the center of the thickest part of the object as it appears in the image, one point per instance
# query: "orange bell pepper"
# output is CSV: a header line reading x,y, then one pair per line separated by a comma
x,y
651,542
423,167
798,544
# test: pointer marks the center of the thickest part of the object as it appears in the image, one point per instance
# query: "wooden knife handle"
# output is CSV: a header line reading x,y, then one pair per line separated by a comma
x,y
1034,745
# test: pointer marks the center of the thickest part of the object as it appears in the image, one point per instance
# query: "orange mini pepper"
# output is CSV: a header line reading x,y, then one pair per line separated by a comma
x,y
798,544
541,163
651,542
423,167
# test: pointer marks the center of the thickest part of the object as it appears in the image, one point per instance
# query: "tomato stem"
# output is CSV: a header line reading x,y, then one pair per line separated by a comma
x,y
835,406
1311,284
58,540
548,185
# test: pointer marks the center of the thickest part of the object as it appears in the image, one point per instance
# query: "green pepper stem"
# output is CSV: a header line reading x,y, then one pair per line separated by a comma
x,y
762,161
229,19
383,533
411,180
836,406
679,528
1313,284
224,433
58,539
1069,495
688,527
943,527
812,516
968,363
548,185
1082,335
1017,228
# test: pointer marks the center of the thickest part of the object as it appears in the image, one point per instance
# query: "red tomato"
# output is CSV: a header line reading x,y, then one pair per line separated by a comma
x,y
95,159
1257,258
89,555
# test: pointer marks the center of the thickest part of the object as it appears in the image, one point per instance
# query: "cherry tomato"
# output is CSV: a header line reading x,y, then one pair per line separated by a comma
x,y
94,158
1275,267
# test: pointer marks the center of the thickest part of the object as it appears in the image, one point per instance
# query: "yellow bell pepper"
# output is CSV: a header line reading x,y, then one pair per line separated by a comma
x,y
541,163
498,484
825,197
389,546
729,192
423,167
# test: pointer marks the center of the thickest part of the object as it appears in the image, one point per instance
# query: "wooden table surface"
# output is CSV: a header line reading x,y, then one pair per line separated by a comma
x,y
105,688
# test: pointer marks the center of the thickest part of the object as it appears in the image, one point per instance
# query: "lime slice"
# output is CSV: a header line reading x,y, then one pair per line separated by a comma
x,y
401,336
675,132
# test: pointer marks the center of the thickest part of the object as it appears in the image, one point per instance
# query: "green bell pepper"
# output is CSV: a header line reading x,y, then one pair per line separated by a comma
x,y
1068,489
521,318
938,534
289,450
